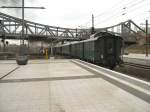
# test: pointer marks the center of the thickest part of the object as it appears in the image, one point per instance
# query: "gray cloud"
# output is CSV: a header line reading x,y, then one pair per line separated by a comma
x,y
12,3
17,12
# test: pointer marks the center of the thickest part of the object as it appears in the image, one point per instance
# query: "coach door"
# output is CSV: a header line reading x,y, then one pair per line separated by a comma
x,y
110,51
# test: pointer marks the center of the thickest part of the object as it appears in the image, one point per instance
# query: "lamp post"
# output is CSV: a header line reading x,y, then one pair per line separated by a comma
x,y
23,21
146,37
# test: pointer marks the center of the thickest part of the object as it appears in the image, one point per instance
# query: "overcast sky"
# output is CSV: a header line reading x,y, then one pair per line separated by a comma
x,y
75,13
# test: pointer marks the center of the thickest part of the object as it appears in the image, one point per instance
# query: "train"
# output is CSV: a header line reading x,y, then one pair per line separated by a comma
x,y
103,48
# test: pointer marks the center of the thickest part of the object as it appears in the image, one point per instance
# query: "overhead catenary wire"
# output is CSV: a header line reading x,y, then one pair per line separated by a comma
x,y
113,8
120,14
132,9
103,13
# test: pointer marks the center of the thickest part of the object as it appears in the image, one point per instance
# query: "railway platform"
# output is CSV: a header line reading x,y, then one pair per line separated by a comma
x,y
141,59
69,85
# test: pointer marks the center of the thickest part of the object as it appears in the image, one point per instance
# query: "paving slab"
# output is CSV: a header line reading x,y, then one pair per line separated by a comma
x,y
6,67
47,69
67,88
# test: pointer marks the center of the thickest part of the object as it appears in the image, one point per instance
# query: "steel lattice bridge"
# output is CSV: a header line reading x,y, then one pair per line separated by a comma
x,y
11,28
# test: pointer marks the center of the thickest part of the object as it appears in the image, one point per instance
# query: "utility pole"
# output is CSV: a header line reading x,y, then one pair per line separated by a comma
x,y
92,20
92,29
23,22
146,38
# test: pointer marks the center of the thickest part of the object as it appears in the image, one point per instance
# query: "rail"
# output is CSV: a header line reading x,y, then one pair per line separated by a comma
x,y
137,65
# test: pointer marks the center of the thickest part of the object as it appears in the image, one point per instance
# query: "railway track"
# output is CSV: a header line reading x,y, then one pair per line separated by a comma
x,y
135,70
110,73
137,65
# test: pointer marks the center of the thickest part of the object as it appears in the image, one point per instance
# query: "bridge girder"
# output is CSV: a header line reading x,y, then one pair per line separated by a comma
x,y
128,30
11,27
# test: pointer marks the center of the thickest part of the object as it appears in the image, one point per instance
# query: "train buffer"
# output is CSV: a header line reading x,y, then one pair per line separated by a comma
x,y
69,85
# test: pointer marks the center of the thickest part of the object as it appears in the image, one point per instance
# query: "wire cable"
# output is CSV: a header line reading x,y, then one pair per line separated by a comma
x,y
112,9
114,15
